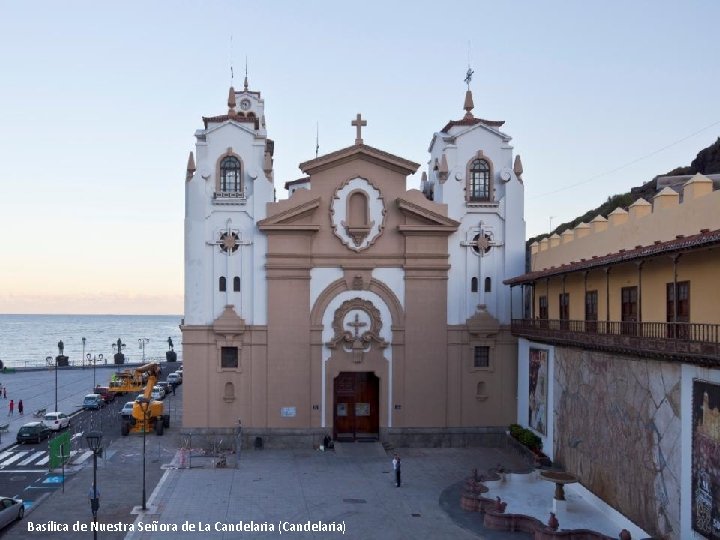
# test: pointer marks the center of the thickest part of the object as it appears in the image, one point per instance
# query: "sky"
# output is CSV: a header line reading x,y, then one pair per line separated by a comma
x,y
99,103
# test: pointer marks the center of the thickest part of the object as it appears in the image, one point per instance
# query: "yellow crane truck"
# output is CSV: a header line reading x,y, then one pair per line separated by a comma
x,y
144,420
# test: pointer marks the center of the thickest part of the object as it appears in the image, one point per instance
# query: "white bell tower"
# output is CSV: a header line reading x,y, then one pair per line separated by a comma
x,y
471,169
225,195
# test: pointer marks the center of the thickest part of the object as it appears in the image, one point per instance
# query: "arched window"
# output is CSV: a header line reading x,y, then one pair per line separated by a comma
x,y
230,175
479,181
222,284
474,285
488,284
236,284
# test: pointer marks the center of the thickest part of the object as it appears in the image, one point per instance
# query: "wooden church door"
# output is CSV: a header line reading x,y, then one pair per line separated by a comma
x,y
356,407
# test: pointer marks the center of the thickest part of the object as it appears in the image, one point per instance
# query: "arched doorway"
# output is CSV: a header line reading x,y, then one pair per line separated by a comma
x,y
356,406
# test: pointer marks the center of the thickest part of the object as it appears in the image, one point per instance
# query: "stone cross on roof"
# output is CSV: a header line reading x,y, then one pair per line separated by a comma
x,y
359,123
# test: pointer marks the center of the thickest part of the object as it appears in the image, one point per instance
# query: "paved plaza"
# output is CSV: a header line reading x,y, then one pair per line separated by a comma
x,y
349,492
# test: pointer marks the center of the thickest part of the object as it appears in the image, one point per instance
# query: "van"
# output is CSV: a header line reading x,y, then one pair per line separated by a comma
x,y
174,379
93,401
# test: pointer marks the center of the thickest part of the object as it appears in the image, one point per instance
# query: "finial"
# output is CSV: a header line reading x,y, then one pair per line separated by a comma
x,y
359,123
518,167
246,81
469,105
231,102
190,167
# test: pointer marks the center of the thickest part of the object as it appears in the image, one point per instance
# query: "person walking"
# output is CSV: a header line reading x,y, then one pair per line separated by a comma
x,y
20,406
4,392
12,406
396,467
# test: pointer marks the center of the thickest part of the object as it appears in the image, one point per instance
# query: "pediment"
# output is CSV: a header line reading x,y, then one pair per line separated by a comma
x,y
291,217
421,215
360,151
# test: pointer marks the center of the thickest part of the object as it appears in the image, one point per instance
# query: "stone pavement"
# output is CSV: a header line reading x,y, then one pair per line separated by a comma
x,y
351,488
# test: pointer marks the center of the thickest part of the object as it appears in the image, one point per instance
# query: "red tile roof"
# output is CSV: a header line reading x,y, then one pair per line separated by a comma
x,y
705,238
471,122
226,117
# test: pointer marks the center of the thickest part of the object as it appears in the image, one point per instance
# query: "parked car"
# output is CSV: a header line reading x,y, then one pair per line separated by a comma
x,y
157,393
107,394
127,409
34,431
174,378
93,401
11,509
57,420
166,386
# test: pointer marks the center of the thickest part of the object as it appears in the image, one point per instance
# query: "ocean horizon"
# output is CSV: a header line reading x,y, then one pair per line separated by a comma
x,y
26,340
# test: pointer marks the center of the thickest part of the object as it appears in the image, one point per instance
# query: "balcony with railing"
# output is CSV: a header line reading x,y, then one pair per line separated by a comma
x,y
694,343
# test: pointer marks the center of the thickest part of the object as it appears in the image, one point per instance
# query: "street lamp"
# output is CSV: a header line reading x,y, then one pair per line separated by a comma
x,y
93,358
94,440
83,354
142,342
144,405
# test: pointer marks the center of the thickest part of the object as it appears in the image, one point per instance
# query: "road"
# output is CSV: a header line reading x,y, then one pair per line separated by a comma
x,y
24,468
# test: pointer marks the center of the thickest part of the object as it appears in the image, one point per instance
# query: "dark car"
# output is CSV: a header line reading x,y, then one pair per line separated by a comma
x,y
33,432
107,394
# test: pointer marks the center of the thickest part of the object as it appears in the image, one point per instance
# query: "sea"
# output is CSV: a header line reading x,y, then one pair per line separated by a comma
x,y
27,340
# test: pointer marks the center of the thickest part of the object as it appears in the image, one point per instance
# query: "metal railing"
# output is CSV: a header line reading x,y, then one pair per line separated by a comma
x,y
693,342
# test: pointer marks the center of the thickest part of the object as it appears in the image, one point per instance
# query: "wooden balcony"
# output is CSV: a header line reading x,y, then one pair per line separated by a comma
x,y
684,342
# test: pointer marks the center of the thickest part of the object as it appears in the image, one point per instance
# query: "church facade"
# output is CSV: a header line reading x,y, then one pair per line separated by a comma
x,y
356,307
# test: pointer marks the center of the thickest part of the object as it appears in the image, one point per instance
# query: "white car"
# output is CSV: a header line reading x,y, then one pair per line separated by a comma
x,y
157,393
57,420
11,509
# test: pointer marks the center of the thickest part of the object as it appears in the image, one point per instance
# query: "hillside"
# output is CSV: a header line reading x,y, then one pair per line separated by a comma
x,y
707,161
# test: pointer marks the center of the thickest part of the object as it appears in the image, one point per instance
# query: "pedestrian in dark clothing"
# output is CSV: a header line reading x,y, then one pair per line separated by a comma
x,y
12,406
396,467
20,406
4,393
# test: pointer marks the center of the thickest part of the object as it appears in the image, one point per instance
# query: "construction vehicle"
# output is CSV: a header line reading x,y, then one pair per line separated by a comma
x,y
147,416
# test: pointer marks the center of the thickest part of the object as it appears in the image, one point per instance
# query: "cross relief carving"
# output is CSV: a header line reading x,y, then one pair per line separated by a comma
x,y
347,326
482,242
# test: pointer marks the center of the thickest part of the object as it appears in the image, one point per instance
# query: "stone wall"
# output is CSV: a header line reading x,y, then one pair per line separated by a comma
x,y
618,428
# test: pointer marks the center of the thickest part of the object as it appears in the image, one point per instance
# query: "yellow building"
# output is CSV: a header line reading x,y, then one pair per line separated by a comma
x,y
619,357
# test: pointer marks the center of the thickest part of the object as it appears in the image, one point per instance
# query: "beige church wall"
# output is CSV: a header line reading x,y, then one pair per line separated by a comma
x,y
644,224
388,247
481,396
618,428
289,365
207,402
425,374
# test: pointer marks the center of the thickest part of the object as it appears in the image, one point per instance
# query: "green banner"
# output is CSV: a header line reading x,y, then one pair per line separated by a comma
x,y
59,449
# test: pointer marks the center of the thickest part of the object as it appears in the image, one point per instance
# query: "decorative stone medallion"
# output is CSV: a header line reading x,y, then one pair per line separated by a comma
x,y
357,213
356,327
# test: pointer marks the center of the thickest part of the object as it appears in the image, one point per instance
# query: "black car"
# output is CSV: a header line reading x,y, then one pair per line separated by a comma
x,y
33,432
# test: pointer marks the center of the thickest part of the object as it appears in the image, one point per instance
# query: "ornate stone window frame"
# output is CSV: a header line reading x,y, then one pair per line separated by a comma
x,y
218,171
353,238
221,342
468,180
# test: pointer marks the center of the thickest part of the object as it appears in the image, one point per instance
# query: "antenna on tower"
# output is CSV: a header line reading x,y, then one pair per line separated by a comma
x,y
232,75
246,81
317,138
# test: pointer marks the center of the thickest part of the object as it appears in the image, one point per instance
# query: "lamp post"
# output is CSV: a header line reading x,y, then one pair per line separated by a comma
x,y
83,354
94,440
49,361
94,358
142,342
144,405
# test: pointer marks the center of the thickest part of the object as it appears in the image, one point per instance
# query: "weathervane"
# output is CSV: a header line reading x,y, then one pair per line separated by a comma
x,y
468,76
